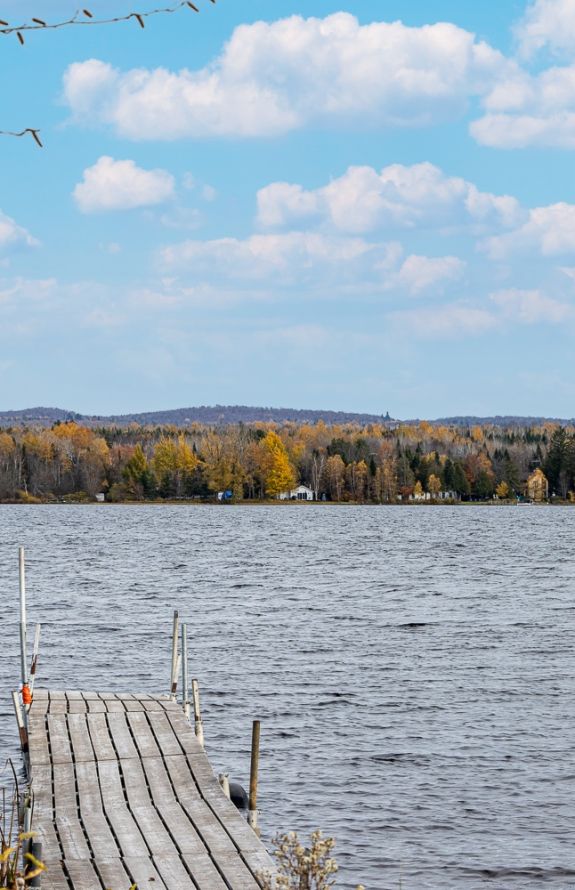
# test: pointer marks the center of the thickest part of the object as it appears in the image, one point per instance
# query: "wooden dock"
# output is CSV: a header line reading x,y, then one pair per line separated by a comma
x,y
124,794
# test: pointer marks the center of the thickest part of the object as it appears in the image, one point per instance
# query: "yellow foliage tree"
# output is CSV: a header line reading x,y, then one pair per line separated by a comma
x,y
502,490
279,472
173,462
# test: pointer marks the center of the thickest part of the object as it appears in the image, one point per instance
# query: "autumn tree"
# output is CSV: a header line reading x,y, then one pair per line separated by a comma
x,y
279,472
138,476
10,466
502,491
173,464
335,474
433,485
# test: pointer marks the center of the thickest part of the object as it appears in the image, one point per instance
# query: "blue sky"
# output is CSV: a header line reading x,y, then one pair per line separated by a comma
x,y
363,206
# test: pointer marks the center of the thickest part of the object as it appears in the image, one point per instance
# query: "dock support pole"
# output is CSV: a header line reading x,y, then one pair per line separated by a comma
x,y
253,800
35,652
36,851
224,781
23,656
174,679
198,725
185,686
20,721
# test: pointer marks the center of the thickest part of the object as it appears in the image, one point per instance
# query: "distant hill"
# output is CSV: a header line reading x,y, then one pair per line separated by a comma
x,y
218,415
504,420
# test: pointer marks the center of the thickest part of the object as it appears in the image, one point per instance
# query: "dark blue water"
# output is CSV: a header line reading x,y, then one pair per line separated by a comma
x,y
413,668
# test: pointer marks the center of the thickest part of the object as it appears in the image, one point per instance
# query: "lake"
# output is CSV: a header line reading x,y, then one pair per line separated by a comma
x,y
413,667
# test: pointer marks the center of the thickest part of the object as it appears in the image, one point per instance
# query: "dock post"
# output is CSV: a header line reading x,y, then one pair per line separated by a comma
x,y
174,679
36,851
198,725
35,652
20,721
23,656
185,687
253,800
224,781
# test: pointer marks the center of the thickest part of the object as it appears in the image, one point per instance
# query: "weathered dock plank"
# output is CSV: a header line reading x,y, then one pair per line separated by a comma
x,y
125,795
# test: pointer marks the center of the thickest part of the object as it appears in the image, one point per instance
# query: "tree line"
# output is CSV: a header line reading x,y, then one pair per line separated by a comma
x,y
345,462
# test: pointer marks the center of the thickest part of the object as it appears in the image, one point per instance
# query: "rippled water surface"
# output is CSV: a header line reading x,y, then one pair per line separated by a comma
x,y
412,667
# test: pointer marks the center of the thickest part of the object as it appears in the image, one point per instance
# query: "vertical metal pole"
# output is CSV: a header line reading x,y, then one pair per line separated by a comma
x,y
185,687
20,721
174,679
198,725
23,656
35,652
36,851
253,800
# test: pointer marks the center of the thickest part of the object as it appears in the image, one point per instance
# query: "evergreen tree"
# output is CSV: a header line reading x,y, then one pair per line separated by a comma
x,y
555,466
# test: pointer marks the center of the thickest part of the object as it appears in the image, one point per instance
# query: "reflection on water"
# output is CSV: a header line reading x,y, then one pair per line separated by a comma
x,y
412,667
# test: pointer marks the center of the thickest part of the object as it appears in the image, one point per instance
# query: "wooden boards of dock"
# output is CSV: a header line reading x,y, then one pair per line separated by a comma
x,y
124,794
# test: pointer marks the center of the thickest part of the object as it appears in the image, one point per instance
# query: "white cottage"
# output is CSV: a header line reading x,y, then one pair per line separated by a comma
x,y
301,493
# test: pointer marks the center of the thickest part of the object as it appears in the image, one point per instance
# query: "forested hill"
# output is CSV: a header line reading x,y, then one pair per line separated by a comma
x,y
205,414
233,414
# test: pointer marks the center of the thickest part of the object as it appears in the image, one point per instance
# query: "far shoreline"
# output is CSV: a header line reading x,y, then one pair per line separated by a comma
x,y
281,504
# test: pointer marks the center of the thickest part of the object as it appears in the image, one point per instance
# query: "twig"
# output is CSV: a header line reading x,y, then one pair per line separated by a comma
x,y
85,17
31,130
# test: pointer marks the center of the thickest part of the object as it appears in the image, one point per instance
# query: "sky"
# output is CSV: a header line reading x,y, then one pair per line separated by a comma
x,y
366,206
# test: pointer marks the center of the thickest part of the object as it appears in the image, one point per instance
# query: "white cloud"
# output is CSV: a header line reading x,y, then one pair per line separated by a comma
x,y
531,306
421,273
14,289
275,77
547,24
524,110
121,185
549,231
283,258
363,200
445,322
12,235
332,264
181,218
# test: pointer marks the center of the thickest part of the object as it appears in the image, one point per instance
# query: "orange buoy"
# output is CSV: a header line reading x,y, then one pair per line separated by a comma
x,y
26,695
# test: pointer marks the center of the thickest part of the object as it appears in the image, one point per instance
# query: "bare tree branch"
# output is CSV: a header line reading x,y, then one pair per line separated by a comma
x,y
85,17
34,134
81,17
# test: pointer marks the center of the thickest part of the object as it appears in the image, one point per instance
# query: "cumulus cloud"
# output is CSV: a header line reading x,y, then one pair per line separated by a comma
x,y
284,258
547,24
524,110
423,273
121,185
12,235
272,78
333,264
531,306
364,199
549,231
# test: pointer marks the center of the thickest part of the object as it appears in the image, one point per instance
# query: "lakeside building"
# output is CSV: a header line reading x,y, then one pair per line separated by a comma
x,y
437,496
301,493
